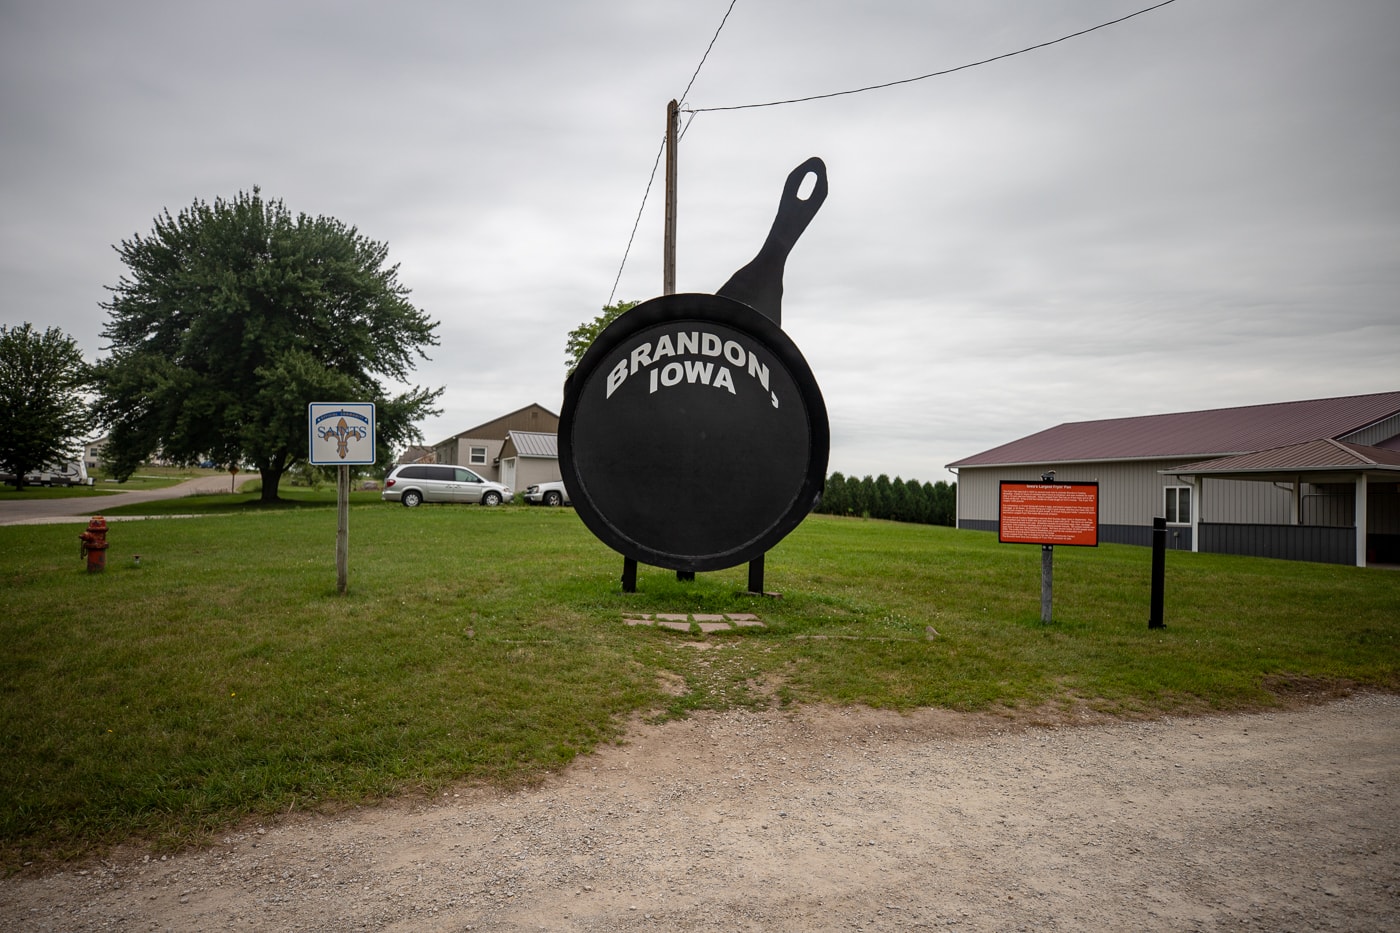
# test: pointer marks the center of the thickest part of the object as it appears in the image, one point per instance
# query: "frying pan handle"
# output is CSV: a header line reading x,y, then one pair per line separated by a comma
x,y
760,283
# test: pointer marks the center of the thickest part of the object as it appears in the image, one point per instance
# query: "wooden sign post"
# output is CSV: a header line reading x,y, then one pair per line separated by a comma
x,y
1048,513
341,434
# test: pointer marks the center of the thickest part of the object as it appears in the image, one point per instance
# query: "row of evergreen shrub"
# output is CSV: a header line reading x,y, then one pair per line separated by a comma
x,y
893,499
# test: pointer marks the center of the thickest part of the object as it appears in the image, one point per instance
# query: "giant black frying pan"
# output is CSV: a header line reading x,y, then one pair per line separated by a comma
x,y
693,435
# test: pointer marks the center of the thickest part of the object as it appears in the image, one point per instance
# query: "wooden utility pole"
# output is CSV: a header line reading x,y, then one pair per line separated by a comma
x,y
668,246
668,261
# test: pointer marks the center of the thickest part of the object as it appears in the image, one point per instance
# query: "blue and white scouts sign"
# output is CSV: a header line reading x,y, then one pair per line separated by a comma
x,y
342,433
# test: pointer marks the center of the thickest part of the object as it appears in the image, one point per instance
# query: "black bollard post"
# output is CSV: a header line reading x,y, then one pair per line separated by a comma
x,y
1159,571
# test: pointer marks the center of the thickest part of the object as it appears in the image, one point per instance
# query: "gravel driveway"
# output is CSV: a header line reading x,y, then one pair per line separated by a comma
x,y
827,819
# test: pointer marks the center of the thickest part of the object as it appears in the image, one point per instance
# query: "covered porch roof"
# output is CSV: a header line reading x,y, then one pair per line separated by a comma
x,y
1315,462
1286,464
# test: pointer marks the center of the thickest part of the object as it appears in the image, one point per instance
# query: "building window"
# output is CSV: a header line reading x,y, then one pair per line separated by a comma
x,y
1178,505
478,455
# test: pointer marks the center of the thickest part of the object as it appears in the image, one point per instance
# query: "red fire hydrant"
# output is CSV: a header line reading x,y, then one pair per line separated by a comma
x,y
94,544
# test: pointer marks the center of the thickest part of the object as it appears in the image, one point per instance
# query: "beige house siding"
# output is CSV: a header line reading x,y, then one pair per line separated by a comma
x,y
492,437
534,460
92,453
530,470
458,450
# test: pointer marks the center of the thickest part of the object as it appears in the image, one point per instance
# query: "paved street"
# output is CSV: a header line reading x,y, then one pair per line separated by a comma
x,y
81,508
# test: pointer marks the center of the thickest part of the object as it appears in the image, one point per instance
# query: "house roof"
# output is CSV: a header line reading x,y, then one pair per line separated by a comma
x,y
1200,434
535,443
1314,456
496,428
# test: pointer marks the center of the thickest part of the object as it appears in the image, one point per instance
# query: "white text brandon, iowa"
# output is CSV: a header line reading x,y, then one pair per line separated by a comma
x,y
652,356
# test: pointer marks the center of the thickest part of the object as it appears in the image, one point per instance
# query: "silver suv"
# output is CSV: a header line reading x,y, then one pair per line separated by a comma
x,y
416,483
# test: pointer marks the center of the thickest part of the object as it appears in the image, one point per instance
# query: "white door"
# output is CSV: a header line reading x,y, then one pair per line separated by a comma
x,y
508,473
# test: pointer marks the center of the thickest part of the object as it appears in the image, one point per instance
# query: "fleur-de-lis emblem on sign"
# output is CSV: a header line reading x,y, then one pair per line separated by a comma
x,y
342,434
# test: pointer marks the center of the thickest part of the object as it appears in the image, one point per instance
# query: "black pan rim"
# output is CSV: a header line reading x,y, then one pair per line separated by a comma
x,y
701,308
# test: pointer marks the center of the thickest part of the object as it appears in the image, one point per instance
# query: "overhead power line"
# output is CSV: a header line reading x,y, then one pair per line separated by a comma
x,y
934,74
636,223
799,100
707,50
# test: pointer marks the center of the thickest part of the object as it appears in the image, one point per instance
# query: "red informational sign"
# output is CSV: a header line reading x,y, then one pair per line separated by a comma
x,y
1049,513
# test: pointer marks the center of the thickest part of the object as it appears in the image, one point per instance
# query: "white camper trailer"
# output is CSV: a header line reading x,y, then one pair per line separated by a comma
x,y
71,473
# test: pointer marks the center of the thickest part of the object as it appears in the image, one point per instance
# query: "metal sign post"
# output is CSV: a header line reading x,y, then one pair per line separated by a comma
x,y
341,433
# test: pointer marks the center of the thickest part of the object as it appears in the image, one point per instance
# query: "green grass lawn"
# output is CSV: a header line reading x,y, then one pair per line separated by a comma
x,y
246,501
148,477
224,677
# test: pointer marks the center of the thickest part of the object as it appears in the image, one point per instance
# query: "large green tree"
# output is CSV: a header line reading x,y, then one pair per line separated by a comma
x,y
233,316
43,414
582,337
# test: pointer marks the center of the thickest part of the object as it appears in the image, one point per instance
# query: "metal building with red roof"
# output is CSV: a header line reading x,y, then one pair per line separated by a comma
x,y
1308,480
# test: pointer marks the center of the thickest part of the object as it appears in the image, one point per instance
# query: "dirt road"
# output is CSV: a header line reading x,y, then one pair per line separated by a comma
x,y
824,819
80,509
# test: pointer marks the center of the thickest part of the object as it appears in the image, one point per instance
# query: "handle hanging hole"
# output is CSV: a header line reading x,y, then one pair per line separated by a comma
x,y
809,184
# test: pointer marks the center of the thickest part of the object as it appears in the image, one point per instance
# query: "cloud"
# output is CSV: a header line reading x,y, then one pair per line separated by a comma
x,y
1195,208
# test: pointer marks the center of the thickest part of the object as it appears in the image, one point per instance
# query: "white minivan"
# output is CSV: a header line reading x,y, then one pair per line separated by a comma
x,y
416,483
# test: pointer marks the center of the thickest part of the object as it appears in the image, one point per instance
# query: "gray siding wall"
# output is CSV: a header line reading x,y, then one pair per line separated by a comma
x,y
1377,433
1383,512
1329,504
1178,538
1129,493
1236,517
1288,542
1230,500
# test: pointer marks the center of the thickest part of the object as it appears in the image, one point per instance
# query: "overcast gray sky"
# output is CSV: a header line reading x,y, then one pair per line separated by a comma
x,y
1196,208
